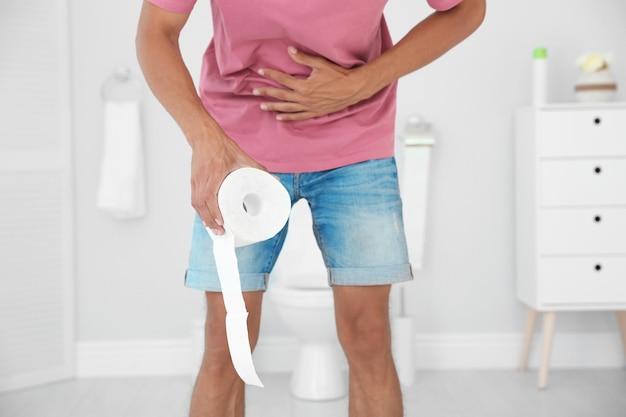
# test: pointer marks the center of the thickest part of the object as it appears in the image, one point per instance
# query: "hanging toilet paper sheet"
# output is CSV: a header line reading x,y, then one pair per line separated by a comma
x,y
255,206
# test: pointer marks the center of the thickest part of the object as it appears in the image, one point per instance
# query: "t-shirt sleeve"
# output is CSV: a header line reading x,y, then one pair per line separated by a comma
x,y
443,5
176,6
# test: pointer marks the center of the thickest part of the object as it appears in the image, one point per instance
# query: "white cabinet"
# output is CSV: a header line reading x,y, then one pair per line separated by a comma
x,y
570,192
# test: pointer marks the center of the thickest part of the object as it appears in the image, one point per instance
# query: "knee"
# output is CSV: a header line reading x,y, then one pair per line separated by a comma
x,y
364,337
216,360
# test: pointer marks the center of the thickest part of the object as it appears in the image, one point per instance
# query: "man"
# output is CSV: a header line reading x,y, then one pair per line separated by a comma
x,y
305,90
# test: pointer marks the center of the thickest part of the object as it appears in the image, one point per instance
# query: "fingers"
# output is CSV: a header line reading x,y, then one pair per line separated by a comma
x,y
209,166
204,201
207,175
304,58
280,95
326,90
288,105
300,57
287,80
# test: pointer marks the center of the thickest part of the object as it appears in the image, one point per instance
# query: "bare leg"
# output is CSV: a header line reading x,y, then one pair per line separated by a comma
x,y
219,392
362,315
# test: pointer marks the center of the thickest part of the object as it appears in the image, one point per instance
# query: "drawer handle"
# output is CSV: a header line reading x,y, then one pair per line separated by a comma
x,y
597,120
598,219
597,170
598,267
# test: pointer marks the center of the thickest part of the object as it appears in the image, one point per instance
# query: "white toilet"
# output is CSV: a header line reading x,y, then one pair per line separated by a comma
x,y
300,292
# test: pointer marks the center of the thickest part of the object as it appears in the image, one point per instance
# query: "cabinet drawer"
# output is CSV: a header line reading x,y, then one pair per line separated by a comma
x,y
582,280
582,231
583,182
584,132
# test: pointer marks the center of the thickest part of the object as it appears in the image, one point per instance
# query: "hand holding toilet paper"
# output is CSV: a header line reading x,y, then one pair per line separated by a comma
x,y
255,206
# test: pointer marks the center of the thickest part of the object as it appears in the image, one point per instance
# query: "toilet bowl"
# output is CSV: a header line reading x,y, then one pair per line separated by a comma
x,y
308,312
300,293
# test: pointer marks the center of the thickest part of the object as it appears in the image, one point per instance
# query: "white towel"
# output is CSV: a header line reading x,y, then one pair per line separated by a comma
x,y
414,200
418,141
121,191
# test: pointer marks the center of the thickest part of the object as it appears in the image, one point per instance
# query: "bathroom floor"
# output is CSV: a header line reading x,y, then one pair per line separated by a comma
x,y
458,393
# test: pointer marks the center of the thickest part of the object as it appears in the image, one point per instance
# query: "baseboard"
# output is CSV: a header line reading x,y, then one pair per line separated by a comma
x,y
502,351
278,354
133,358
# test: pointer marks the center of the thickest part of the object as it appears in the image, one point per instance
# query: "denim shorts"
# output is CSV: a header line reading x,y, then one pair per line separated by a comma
x,y
357,222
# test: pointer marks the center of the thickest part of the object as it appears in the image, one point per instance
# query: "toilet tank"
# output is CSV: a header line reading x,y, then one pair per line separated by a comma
x,y
300,262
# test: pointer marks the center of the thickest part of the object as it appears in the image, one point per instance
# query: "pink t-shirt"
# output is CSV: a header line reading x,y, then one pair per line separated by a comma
x,y
249,35
443,5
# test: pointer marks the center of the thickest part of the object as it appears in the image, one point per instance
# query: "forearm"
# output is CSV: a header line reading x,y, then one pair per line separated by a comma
x,y
426,42
163,67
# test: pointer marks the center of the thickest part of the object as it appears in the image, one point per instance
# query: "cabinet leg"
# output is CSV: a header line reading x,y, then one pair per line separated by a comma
x,y
549,319
531,322
621,319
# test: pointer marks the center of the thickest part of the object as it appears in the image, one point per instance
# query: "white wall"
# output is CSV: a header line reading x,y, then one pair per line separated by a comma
x,y
130,274
469,95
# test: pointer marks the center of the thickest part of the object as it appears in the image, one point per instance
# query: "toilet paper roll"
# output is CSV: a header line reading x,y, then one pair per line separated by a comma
x,y
254,206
